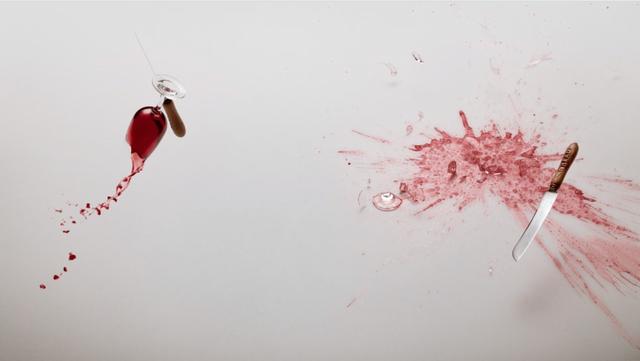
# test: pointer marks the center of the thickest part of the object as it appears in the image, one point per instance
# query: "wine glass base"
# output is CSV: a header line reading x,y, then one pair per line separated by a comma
x,y
168,86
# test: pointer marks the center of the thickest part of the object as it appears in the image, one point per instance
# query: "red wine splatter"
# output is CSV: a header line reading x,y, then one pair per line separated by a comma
x,y
144,134
137,165
456,171
145,131
43,286
55,277
452,169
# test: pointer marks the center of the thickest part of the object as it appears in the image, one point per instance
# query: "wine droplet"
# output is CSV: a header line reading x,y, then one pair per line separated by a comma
x,y
387,201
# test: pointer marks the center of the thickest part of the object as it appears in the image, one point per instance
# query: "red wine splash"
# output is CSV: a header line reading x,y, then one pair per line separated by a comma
x,y
456,171
145,132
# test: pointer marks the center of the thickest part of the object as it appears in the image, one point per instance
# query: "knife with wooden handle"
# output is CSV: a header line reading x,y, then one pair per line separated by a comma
x,y
546,203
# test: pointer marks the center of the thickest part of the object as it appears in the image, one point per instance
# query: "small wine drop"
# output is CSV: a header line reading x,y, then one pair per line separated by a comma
x,y
387,201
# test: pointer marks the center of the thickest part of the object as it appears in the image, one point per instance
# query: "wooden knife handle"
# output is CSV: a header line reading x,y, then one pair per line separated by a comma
x,y
565,164
177,125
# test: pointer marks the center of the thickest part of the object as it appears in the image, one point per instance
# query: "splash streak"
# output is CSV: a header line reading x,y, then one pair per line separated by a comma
x,y
137,164
459,170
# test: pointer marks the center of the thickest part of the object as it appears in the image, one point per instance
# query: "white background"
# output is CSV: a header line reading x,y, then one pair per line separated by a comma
x,y
243,241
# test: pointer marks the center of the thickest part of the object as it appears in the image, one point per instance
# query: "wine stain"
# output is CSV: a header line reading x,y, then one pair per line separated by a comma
x,y
453,171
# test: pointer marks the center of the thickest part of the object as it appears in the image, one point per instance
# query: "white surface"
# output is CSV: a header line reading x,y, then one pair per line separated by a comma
x,y
243,240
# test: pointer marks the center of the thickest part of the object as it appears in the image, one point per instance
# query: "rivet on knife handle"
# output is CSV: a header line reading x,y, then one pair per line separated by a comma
x,y
565,164
177,125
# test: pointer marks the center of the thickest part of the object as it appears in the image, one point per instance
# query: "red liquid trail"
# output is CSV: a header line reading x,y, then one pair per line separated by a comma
x,y
137,165
459,170
144,134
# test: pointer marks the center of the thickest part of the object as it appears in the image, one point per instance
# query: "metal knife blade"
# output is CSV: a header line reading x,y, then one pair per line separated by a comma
x,y
534,225
546,203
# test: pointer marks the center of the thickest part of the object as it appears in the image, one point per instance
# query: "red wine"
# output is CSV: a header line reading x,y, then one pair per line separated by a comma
x,y
146,130
446,173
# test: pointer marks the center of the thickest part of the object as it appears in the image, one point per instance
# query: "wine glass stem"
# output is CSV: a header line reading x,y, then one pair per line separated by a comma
x,y
160,102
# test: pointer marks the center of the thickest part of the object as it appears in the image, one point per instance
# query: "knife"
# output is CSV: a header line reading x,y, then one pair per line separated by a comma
x,y
546,203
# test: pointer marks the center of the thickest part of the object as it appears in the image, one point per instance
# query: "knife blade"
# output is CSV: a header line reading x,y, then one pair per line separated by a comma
x,y
546,203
